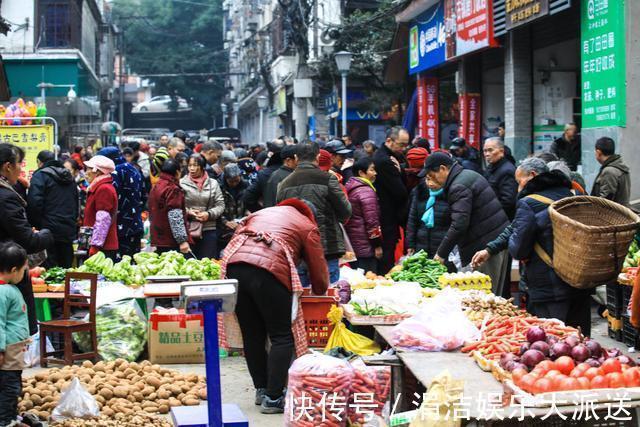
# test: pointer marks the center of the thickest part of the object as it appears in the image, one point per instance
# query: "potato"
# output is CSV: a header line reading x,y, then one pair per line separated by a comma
x,y
108,411
121,391
138,396
174,402
147,404
147,390
163,409
43,415
152,396
190,402
164,394
186,387
151,409
106,393
202,393
153,381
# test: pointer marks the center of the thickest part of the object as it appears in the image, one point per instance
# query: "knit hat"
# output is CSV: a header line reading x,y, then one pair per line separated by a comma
x,y
101,163
111,152
158,160
416,157
324,160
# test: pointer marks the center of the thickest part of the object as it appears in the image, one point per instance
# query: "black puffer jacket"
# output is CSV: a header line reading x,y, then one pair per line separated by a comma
x,y
271,189
476,214
419,237
256,192
501,177
392,193
15,227
322,189
52,201
532,225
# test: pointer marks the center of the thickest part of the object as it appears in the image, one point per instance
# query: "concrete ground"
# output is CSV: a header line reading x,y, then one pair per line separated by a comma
x,y
236,388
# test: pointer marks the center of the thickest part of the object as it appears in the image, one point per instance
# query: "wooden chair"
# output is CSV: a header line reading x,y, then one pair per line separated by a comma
x,y
68,326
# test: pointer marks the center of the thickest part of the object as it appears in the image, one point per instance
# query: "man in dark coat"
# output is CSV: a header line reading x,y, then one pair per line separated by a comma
x,y
254,196
568,147
392,193
52,203
467,156
476,215
501,175
322,189
613,181
131,199
339,153
532,242
289,164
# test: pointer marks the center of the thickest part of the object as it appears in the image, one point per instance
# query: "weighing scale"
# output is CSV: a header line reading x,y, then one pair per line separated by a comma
x,y
209,298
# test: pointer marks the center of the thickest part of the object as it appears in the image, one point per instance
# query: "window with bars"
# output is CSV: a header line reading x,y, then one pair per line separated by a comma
x,y
56,23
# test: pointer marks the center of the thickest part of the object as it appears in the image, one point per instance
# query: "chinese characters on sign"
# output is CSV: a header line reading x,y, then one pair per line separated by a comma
x,y
474,25
603,64
428,118
522,11
427,40
470,119
32,139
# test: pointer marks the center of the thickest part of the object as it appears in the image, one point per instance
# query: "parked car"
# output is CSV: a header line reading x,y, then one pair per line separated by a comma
x,y
160,104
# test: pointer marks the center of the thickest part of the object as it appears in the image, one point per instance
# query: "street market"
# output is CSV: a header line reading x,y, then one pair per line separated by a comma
x,y
389,213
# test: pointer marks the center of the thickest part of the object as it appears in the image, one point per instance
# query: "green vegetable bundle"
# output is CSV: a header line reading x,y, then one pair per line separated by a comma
x,y
421,269
54,275
150,264
121,331
633,257
367,310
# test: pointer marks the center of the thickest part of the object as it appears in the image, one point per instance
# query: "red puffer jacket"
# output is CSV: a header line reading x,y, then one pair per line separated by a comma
x,y
102,196
166,195
363,227
295,227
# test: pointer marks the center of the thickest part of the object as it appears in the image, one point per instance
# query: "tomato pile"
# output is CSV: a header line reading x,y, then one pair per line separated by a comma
x,y
564,375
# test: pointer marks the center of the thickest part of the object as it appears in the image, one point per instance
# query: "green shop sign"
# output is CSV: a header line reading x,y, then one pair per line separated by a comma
x,y
603,63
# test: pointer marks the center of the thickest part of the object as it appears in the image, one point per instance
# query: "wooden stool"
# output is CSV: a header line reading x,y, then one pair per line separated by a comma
x,y
68,326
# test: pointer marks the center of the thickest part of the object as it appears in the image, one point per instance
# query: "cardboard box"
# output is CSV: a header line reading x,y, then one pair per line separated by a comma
x,y
176,338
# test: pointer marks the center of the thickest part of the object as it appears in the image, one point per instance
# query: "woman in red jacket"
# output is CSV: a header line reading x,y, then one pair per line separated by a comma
x,y
168,212
101,209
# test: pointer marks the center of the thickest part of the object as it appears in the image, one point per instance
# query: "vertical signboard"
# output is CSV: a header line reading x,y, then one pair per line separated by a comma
x,y
603,63
421,104
428,117
470,119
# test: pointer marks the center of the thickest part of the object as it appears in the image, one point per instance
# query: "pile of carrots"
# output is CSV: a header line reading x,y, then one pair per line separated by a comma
x,y
368,382
506,334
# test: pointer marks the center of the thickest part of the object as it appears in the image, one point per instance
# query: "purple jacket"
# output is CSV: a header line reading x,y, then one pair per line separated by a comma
x,y
363,228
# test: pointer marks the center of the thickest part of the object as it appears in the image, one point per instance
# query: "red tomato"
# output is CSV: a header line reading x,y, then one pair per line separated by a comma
x,y
545,366
543,385
553,373
616,380
624,367
557,381
584,382
583,366
591,373
600,381
632,377
611,365
568,383
527,383
517,374
565,364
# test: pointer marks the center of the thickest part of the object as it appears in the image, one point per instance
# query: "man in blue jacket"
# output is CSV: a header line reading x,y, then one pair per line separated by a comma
x,y
131,199
532,242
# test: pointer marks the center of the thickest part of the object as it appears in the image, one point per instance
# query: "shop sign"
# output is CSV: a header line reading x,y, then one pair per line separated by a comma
x,y
356,115
331,104
520,12
474,25
32,139
427,40
428,118
603,63
470,119
281,101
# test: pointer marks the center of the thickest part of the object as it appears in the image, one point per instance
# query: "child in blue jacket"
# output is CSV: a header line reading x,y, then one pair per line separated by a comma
x,y
14,330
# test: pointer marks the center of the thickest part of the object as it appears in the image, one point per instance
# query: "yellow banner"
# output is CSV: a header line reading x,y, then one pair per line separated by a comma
x,y
32,139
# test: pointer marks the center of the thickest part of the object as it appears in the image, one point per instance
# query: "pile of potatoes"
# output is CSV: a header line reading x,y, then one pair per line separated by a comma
x,y
118,420
118,386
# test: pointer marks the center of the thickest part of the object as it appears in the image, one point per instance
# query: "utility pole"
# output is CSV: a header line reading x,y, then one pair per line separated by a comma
x,y
121,78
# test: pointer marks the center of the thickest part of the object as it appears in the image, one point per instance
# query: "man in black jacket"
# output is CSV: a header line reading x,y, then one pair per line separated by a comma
x,y
467,156
501,175
568,147
392,193
52,203
254,196
532,242
289,164
476,215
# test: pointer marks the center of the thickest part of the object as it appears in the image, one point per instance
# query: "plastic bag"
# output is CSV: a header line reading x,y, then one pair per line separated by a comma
x,y
32,355
343,337
319,389
121,331
439,325
369,392
75,402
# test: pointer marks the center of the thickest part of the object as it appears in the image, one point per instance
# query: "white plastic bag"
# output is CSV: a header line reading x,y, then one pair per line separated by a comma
x,y
75,402
439,325
32,355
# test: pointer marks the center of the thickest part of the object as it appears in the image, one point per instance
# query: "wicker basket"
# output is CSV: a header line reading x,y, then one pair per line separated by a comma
x,y
591,237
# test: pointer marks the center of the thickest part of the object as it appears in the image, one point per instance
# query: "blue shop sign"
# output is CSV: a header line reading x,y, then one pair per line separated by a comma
x,y
331,103
427,40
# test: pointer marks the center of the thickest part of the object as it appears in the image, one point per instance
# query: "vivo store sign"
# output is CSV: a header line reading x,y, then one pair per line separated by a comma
x,y
447,30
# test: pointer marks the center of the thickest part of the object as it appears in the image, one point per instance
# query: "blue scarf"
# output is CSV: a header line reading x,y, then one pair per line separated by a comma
x,y
428,216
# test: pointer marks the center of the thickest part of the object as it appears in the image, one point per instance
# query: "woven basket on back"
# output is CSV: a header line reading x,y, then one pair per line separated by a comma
x,y
591,237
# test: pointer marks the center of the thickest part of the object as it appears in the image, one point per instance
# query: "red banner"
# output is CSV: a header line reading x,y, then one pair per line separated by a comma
x,y
474,25
428,117
470,119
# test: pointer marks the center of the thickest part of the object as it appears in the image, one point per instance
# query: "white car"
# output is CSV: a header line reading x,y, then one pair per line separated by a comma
x,y
160,104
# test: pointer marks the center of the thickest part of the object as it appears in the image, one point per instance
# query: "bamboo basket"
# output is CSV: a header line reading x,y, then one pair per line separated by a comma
x,y
591,237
